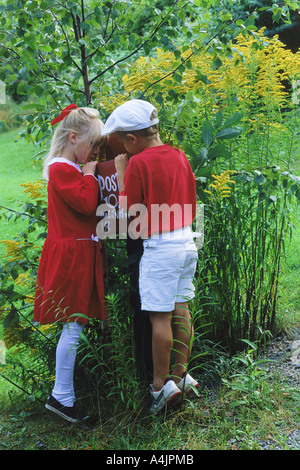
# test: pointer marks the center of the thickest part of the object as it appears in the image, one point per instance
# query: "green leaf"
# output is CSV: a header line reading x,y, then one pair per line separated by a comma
x,y
219,151
203,78
165,40
229,133
219,118
21,89
207,132
188,149
259,178
217,63
203,156
250,343
11,317
231,121
23,71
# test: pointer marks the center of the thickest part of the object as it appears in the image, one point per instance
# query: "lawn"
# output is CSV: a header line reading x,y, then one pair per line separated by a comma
x,y
17,167
291,268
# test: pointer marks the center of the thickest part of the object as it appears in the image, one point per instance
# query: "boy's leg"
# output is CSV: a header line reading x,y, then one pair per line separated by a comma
x,y
162,343
183,333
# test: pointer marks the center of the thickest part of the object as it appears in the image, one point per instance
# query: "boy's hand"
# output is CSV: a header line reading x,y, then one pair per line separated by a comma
x,y
121,162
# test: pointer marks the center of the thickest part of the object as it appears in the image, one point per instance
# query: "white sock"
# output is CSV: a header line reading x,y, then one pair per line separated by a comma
x,y
65,362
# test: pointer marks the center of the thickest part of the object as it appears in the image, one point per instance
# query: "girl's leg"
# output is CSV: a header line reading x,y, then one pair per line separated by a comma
x,y
162,343
65,362
183,332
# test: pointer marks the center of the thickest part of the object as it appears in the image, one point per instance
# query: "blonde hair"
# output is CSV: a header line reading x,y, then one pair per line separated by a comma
x,y
84,121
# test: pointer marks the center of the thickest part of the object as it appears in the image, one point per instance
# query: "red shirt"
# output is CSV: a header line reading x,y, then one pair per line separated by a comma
x,y
161,179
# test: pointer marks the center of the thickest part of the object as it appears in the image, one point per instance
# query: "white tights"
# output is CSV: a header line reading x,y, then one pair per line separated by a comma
x,y
65,362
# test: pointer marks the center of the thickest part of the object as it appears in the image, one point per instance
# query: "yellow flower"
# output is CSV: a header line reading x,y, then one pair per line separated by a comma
x,y
253,73
49,329
36,190
13,249
220,188
23,280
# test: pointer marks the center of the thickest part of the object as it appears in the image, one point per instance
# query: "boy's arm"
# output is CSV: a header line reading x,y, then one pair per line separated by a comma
x,y
129,183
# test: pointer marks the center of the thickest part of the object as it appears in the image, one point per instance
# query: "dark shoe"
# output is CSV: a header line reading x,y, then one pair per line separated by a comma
x,y
68,413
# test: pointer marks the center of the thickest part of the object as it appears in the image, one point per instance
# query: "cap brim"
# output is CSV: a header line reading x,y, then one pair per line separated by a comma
x,y
110,129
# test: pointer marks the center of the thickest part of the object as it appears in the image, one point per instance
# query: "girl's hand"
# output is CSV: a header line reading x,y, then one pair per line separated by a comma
x,y
121,162
89,167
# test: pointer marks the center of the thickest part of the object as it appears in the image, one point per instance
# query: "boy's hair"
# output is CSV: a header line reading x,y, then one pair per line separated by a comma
x,y
84,121
147,132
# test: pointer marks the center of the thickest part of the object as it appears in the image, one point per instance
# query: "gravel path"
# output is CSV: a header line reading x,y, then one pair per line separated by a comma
x,y
285,352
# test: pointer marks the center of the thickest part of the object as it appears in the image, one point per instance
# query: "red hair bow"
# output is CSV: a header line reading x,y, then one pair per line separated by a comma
x,y
64,113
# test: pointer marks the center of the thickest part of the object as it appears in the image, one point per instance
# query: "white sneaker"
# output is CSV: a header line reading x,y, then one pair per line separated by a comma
x,y
169,393
187,384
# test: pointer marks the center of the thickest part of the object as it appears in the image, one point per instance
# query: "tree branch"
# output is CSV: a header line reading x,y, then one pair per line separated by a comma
x,y
20,388
123,58
67,42
24,213
108,17
84,68
10,49
158,27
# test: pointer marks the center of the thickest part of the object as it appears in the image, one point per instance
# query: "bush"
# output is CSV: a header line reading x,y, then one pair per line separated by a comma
x,y
248,218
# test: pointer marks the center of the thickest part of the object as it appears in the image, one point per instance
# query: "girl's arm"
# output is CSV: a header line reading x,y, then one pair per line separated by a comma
x,y
79,191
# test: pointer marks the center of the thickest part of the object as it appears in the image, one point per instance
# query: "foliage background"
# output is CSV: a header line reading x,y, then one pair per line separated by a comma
x,y
223,87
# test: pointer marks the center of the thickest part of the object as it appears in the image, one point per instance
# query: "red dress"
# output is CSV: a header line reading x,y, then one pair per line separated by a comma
x,y
70,275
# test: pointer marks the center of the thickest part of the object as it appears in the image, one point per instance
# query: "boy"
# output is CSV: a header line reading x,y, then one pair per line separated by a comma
x,y
158,184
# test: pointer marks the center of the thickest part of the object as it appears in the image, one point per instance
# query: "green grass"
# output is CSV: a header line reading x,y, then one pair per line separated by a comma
x,y
291,274
202,424
290,298
17,167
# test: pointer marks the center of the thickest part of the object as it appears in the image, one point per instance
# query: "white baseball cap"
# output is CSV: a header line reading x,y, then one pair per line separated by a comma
x,y
133,115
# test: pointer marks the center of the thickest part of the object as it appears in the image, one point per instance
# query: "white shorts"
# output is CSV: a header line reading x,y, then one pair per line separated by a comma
x,y
167,269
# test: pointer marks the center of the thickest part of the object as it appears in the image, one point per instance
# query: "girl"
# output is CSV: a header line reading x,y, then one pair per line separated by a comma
x,y
70,277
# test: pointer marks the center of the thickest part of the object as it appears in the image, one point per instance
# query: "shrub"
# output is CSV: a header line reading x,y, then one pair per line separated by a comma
x,y
248,218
